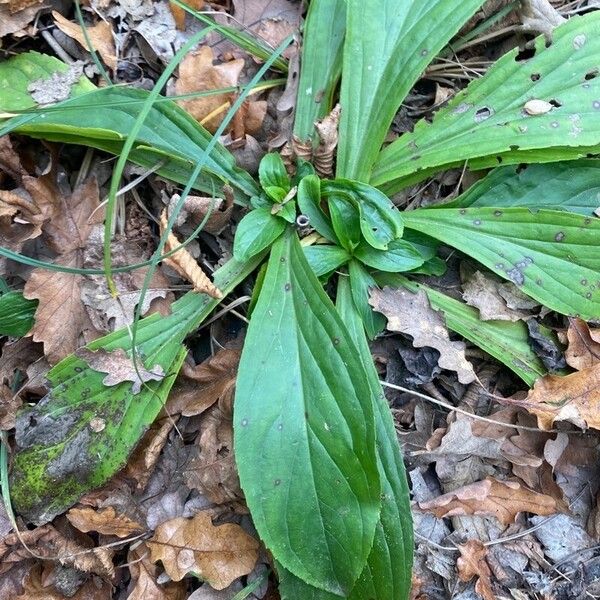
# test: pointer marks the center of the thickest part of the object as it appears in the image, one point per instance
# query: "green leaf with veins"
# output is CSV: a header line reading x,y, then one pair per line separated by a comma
x,y
494,120
82,432
309,202
361,283
325,259
273,177
400,256
256,231
16,314
388,45
554,256
570,185
304,429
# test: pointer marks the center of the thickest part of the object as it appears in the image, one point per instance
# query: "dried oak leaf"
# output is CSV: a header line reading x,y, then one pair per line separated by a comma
x,y
472,563
105,520
100,36
60,317
144,579
411,314
219,555
491,497
584,345
119,367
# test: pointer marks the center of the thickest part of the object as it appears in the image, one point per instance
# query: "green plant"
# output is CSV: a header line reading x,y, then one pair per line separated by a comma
x,y
315,443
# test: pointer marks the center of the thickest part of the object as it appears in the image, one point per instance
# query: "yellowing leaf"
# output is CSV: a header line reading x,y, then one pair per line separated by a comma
x,y
218,555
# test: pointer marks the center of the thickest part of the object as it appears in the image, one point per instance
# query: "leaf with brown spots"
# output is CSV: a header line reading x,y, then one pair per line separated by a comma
x,y
491,497
105,520
472,563
219,555
411,314
584,345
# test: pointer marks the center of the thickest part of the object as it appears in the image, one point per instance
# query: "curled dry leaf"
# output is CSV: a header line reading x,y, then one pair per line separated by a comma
x,y
584,345
183,262
327,130
100,36
219,555
411,314
195,209
105,520
472,563
119,367
491,497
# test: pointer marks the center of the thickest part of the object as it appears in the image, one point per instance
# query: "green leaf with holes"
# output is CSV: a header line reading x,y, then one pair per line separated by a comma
x,y
572,185
304,429
554,256
388,45
540,109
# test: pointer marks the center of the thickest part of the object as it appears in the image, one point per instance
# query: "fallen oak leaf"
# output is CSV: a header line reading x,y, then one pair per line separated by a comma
x,y
119,367
105,520
472,563
491,497
179,13
411,314
219,555
584,345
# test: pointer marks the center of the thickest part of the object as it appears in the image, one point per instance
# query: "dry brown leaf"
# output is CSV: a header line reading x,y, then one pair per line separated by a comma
x,y
179,13
119,367
327,130
100,37
144,575
199,387
16,15
491,497
105,520
9,404
183,262
195,209
219,555
584,345
411,314
17,5
472,563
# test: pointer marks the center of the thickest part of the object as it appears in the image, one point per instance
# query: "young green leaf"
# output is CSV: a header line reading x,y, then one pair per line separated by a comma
x,y
325,259
255,232
273,177
492,121
309,201
16,314
82,432
304,430
400,256
361,283
346,221
570,185
388,45
553,256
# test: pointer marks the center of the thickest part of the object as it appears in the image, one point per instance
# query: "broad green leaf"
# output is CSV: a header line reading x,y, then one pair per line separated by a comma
x,y
554,256
321,64
361,283
400,256
570,185
387,575
273,177
325,259
506,341
388,45
16,314
380,220
255,232
346,221
304,430
81,433
493,120
309,201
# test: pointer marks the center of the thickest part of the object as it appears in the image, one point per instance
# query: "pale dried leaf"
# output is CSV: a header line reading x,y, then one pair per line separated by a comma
x,y
105,520
119,367
195,209
327,130
219,555
9,404
144,579
411,314
584,345
472,563
503,500
13,22
100,36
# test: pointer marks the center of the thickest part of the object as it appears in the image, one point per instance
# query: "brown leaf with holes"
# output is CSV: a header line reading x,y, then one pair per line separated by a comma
x,y
61,319
100,37
503,500
472,563
119,367
179,13
411,314
219,555
197,73
105,520
144,579
584,345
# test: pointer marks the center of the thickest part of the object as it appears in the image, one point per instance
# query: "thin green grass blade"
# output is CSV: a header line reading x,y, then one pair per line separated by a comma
x,y
90,46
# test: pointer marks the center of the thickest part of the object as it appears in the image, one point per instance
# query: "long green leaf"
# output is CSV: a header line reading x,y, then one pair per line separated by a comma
x,y
387,575
572,185
321,64
304,429
554,256
494,120
388,45
82,432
